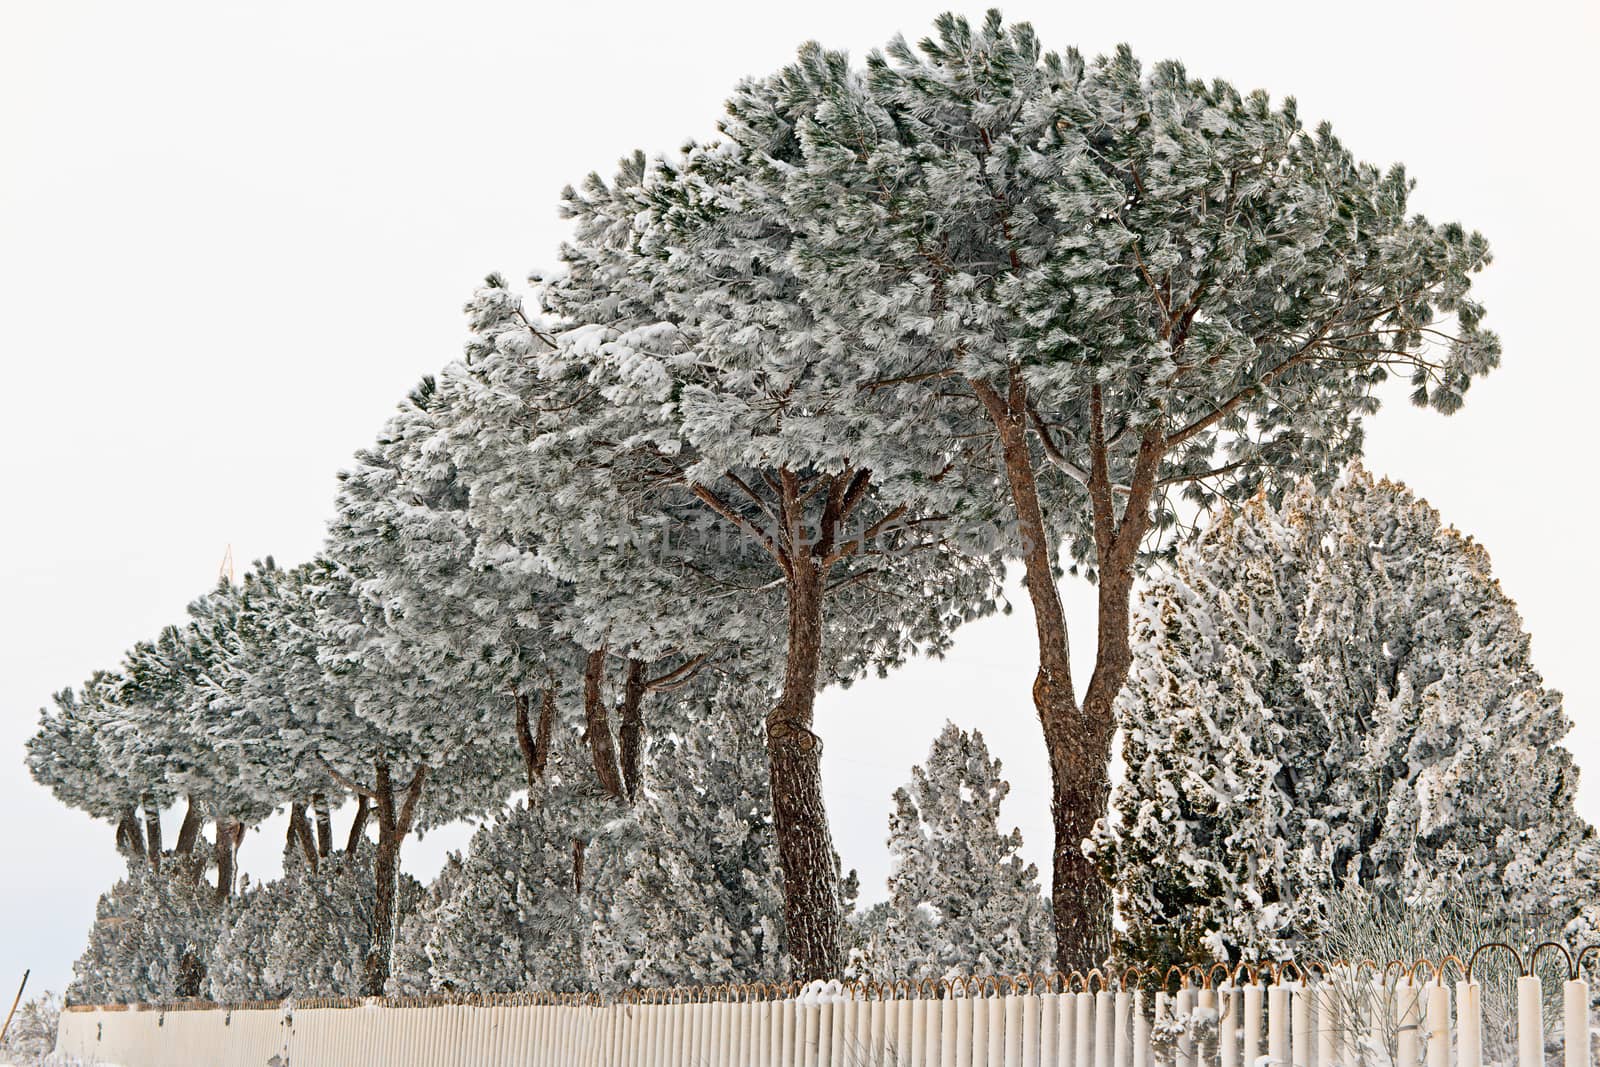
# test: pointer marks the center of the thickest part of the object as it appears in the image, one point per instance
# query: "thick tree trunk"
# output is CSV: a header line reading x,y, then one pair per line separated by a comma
x,y
152,831
300,834
812,912
189,832
597,727
1077,745
393,826
630,733
358,825
319,804
130,838
225,850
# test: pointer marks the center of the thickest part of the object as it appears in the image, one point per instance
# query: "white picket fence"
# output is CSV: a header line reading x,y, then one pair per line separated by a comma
x,y
1338,1017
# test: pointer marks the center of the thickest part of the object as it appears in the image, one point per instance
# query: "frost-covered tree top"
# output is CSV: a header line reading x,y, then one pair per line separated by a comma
x,y
961,898
1227,280
67,754
1337,692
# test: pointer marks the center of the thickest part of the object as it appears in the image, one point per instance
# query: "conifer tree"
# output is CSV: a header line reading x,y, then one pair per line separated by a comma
x,y
961,898
1143,286
1336,694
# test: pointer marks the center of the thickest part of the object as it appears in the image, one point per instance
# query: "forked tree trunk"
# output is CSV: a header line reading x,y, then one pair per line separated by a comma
x,y
319,804
630,732
394,823
189,832
813,917
152,831
130,837
358,824
597,727
534,742
1077,738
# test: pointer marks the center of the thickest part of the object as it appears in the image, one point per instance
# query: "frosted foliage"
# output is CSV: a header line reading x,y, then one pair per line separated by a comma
x,y
305,934
1337,693
680,889
961,898
699,902
153,939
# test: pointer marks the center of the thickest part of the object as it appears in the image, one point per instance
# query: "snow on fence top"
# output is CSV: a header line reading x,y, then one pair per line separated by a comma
x,y
1299,1015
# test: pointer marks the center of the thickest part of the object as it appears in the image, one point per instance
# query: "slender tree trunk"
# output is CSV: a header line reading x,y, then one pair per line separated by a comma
x,y
300,834
152,830
319,804
393,826
630,733
358,825
189,832
597,727
525,741
579,850
547,725
225,850
813,915
130,837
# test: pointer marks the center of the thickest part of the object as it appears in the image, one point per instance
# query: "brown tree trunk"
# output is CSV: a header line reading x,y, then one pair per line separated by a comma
x,y
189,832
300,834
525,741
152,830
225,850
358,825
393,826
630,733
812,912
319,804
578,851
547,725
597,727
1078,749
130,838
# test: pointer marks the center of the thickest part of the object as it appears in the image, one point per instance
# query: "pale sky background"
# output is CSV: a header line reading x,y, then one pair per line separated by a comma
x,y
232,236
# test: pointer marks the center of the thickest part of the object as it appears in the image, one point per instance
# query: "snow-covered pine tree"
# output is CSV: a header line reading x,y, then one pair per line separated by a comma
x,y
67,757
1142,285
961,898
1337,693
732,418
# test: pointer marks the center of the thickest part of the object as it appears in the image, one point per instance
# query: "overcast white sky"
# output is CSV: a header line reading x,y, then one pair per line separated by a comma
x,y
232,236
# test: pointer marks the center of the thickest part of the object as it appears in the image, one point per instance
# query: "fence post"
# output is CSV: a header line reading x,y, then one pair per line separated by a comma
x,y
1438,1038
1120,1051
1576,1007
1300,1042
1278,1023
1251,1044
1141,1031
1530,1027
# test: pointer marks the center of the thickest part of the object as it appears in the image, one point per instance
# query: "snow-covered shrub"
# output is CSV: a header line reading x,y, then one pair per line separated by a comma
x,y
154,938
32,1036
305,934
961,899
1336,692
575,891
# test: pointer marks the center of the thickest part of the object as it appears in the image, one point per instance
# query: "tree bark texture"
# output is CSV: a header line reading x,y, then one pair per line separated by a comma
x,y
300,834
189,832
358,824
152,830
225,850
319,804
597,727
130,836
811,905
630,733
394,823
